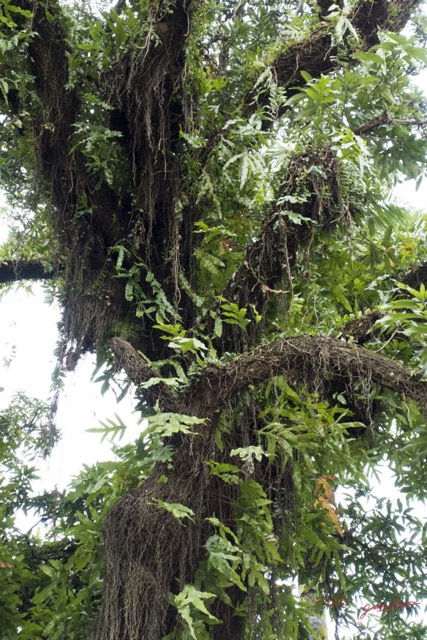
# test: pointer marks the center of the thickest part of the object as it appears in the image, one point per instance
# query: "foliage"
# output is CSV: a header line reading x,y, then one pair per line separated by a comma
x,y
210,183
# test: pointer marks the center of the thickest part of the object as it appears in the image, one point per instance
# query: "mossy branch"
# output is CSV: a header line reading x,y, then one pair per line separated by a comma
x,y
313,361
310,360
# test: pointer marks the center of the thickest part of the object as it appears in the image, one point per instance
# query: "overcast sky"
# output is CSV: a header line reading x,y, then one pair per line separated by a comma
x,y
28,336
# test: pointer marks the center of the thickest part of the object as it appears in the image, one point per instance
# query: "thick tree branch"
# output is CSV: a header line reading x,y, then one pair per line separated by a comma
x,y
317,54
12,270
371,16
266,271
311,360
145,91
53,124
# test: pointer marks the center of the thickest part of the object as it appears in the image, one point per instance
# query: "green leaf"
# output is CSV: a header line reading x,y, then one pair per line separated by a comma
x,y
247,453
178,511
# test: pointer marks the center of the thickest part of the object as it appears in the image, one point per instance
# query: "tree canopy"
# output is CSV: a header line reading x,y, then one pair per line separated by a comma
x,y
205,186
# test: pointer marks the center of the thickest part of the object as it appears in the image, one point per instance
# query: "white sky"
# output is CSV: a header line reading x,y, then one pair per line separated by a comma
x,y
28,335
